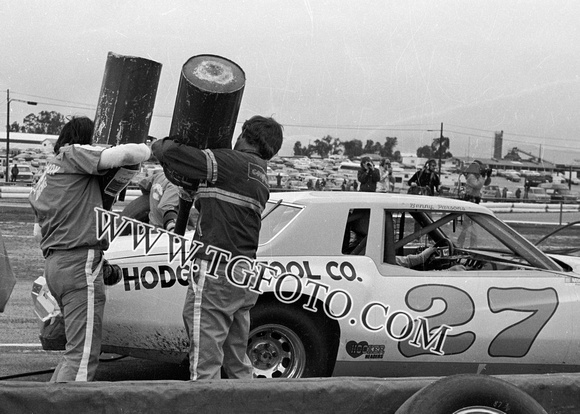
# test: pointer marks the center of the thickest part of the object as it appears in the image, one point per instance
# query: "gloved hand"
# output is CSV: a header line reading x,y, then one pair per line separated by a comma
x,y
428,252
170,225
112,274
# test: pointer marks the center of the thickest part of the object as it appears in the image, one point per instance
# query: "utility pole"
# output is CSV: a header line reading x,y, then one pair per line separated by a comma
x,y
440,143
7,132
8,100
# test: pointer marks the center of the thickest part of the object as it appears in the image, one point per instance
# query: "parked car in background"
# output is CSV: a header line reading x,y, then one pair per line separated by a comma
x,y
490,192
536,180
512,176
560,193
537,194
25,173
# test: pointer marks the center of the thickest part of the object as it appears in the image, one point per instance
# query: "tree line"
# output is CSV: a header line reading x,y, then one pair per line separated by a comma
x,y
329,145
51,123
45,122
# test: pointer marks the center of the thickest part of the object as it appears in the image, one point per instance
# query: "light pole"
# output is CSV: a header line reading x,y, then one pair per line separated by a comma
x,y
8,100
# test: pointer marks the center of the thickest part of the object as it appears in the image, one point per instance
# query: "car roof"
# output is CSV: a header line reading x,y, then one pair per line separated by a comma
x,y
358,199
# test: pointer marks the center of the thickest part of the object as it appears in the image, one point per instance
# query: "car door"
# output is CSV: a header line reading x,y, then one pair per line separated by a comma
x,y
484,313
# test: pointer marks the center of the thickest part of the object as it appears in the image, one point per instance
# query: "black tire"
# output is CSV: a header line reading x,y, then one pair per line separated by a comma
x,y
288,342
459,393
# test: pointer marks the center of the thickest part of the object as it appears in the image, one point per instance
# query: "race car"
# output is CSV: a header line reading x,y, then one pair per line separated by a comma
x,y
337,297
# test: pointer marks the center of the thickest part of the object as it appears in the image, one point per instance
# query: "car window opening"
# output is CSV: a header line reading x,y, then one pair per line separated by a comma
x,y
462,242
356,231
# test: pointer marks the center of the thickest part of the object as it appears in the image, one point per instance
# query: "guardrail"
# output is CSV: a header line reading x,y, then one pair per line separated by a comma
x,y
11,192
524,207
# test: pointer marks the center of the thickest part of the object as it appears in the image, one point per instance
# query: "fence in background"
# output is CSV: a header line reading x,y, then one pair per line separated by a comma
x,y
16,193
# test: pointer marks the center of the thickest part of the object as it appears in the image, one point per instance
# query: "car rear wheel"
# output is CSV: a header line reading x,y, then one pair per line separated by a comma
x,y
287,342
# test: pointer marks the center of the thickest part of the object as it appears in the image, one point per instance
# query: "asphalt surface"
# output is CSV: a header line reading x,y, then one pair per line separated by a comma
x,y
31,363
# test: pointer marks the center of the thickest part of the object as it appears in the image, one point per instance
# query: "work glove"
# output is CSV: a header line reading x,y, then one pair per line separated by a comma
x,y
112,274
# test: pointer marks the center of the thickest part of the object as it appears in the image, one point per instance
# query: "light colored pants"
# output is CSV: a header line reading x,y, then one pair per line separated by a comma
x,y
75,279
217,319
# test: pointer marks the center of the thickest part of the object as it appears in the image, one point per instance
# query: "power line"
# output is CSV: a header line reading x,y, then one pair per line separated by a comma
x,y
51,99
355,127
513,140
509,133
402,128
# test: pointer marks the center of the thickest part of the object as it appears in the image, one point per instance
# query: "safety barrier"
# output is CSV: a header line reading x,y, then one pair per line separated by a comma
x,y
532,207
556,393
19,192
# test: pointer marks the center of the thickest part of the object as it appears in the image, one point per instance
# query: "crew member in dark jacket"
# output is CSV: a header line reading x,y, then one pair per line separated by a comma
x,y
231,198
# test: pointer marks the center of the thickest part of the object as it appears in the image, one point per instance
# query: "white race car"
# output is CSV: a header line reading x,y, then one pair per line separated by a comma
x,y
334,301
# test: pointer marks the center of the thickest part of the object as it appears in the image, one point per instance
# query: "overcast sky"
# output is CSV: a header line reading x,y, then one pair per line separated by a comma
x,y
345,68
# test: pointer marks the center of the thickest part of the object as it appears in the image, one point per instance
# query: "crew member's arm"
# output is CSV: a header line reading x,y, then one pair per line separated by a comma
x,y
488,177
169,206
182,163
126,154
437,183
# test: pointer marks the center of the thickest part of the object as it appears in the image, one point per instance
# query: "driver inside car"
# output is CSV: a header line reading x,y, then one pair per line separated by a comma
x,y
419,260
413,260
355,244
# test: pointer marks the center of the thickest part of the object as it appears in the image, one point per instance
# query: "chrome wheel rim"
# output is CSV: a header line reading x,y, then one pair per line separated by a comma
x,y
276,352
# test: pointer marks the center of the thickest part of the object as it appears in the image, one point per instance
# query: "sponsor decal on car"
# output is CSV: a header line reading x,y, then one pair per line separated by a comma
x,y
357,349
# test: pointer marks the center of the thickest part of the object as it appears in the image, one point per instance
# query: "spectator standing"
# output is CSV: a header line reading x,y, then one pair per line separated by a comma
x,y
368,176
504,192
477,175
385,183
518,193
527,186
14,173
426,180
